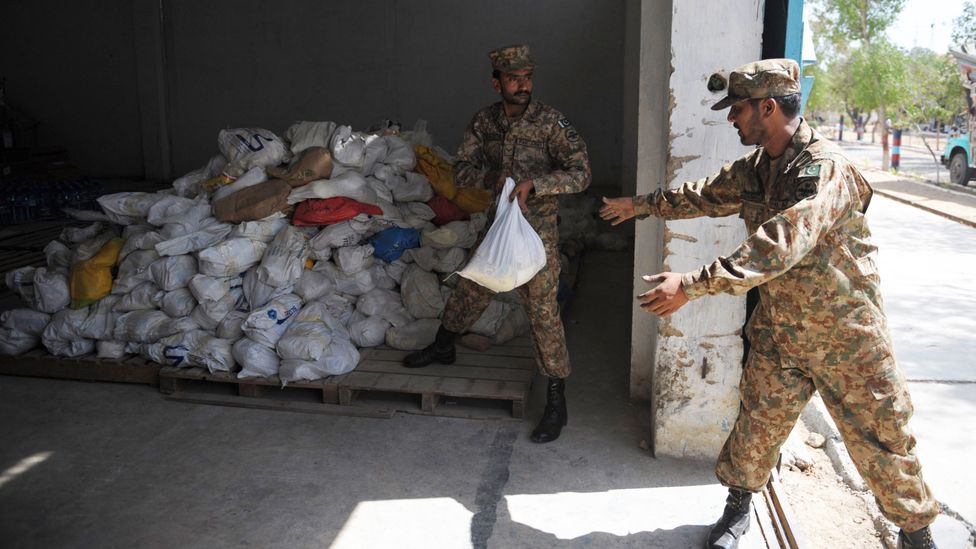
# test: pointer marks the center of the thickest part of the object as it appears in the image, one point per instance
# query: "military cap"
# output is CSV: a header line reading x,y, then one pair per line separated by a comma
x,y
511,58
758,80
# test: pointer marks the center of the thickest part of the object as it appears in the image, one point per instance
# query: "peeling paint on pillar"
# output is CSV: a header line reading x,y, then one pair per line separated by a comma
x,y
699,349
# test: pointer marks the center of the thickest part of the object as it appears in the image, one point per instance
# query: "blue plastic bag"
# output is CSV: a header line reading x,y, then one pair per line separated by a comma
x,y
389,244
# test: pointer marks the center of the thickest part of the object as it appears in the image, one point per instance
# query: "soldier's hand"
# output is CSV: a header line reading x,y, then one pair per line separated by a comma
x,y
617,210
666,297
522,191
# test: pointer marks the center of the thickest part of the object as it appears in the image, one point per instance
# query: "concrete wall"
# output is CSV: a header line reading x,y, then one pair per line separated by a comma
x,y
128,85
71,66
698,351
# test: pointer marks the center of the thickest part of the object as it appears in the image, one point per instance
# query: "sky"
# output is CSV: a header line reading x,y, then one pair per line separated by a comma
x,y
926,24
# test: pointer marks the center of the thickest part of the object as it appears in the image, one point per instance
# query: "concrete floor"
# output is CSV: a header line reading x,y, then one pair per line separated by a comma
x,y
112,465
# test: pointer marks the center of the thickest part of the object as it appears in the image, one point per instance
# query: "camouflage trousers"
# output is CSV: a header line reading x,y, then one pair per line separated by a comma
x,y
469,300
869,401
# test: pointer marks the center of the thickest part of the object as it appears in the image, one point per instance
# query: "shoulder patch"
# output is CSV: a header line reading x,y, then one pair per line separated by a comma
x,y
806,187
812,170
564,123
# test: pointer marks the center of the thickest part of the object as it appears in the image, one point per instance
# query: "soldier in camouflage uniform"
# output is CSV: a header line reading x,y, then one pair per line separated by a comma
x,y
819,325
529,141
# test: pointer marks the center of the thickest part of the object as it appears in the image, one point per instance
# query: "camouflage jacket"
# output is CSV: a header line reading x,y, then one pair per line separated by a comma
x,y
809,249
540,145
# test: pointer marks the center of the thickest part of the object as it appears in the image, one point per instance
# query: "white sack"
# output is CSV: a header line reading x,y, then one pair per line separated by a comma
x,y
415,336
231,326
173,350
209,314
308,337
146,326
172,273
348,184
100,323
145,240
212,288
304,135
50,290
266,324
511,253
255,359
421,293
198,240
144,297
129,207
252,177
399,154
352,259
178,303
314,284
258,293
284,258
231,257
87,249
21,282
340,307
20,330
369,332
58,257
341,357
189,184
334,236
263,230
245,148
61,336
110,349
212,353
74,235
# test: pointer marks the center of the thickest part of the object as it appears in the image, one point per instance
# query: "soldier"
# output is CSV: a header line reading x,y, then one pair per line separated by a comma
x,y
522,138
819,325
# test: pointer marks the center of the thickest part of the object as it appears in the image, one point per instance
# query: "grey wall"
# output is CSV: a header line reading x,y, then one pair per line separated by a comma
x,y
254,63
71,66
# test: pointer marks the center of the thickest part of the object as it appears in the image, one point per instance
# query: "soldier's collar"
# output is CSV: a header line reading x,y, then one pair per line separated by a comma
x,y
801,140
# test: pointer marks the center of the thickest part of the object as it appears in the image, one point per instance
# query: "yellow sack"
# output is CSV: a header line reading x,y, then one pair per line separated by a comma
x,y
91,280
438,171
472,200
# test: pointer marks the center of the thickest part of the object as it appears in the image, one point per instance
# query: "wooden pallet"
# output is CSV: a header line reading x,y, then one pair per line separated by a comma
x,y
379,386
502,373
40,363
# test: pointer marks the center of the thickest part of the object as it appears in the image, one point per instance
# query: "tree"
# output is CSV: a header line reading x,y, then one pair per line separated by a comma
x,y
964,26
855,29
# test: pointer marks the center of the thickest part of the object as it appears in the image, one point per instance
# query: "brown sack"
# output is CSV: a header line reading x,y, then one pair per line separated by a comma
x,y
315,164
254,202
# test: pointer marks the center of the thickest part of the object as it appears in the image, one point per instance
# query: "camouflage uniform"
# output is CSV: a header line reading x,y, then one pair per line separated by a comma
x,y
819,324
543,146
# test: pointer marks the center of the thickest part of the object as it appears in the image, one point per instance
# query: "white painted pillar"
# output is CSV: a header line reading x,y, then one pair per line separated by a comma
x,y
697,353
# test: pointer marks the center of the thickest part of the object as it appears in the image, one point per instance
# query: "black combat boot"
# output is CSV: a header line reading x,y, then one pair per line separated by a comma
x,y
441,351
554,417
734,522
919,539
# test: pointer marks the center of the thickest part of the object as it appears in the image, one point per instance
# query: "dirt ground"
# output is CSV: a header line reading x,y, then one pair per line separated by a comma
x,y
829,513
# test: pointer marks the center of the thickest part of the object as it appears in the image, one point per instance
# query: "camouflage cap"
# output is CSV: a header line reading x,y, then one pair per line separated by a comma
x,y
511,58
766,78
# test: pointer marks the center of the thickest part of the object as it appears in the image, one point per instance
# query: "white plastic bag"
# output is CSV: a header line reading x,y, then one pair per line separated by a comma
x,y
348,184
311,334
231,326
61,337
58,257
258,293
212,288
511,253
172,350
212,353
129,207
110,349
178,303
146,326
75,235
189,184
263,230
369,332
303,135
206,237
352,259
314,284
144,297
341,357
21,282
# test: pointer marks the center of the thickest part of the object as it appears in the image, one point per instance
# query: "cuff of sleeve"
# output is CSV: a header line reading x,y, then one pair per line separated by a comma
x,y
693,287
642,206
543,185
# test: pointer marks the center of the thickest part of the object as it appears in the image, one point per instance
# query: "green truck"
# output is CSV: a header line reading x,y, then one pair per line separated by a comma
x,y
958,154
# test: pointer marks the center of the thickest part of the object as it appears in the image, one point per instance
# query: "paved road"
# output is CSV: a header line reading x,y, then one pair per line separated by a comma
x,y
915,162
926,264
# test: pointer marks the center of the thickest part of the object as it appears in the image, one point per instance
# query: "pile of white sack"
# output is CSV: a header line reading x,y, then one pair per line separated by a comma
x,y
261,297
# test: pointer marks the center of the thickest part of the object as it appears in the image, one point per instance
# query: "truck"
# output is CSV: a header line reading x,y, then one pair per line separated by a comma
x,y
958,154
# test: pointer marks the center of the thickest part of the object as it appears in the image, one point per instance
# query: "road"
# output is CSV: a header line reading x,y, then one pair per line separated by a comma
x,y
915,161
925,262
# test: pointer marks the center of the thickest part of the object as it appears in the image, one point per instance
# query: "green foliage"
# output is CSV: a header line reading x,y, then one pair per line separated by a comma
x,y
964,26
941,98
861,21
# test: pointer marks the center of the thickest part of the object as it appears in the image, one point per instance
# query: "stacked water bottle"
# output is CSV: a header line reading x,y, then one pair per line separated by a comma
x,y
27,200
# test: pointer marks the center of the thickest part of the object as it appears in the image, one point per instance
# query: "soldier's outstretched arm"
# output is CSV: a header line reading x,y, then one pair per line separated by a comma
x,y
782,241
718,195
